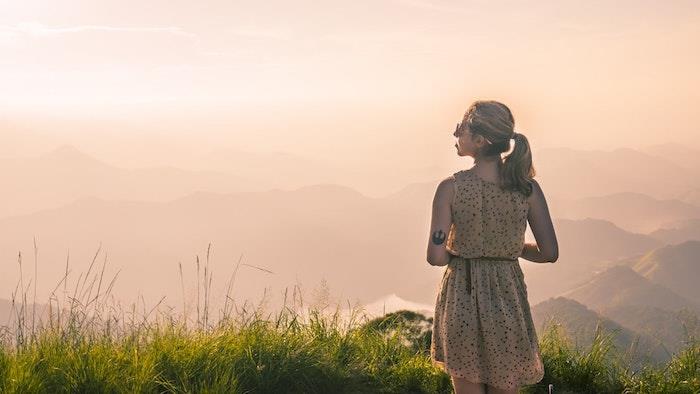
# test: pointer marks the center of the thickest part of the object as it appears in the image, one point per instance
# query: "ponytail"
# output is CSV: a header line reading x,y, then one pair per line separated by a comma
x,y
494,121
517,170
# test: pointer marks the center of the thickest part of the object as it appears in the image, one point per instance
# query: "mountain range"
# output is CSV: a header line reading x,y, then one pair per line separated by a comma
x,y
65,174
634,180
651,295
362,246
627,229
580,325
634,212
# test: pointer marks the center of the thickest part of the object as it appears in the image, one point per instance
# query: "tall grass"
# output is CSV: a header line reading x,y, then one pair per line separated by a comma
x,y
604,369
88,344
594,370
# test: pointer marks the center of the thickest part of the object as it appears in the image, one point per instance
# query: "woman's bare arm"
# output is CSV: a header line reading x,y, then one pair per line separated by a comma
x,y
546,250
440,223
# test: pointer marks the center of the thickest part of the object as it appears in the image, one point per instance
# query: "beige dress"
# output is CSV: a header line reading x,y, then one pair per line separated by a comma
x,y
482,328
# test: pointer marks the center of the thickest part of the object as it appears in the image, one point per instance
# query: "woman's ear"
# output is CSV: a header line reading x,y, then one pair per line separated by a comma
x,y
481,141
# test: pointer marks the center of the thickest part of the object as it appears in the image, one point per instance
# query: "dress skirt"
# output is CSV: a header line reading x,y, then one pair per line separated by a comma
x,y
482,328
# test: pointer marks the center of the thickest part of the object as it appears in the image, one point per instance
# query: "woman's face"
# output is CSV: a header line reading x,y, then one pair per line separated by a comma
x,y
464,143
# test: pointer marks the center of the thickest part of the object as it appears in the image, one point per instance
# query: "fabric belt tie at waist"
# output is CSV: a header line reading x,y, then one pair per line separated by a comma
x,y
469,266
483,258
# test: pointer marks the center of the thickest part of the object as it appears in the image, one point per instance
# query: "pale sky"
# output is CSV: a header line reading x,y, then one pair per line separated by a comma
x,y
354,81
372,87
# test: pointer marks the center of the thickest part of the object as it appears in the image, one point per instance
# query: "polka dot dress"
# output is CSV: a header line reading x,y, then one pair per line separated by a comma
x,y
482,328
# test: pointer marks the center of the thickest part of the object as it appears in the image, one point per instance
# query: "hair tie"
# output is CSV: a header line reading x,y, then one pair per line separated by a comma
x,y
514,135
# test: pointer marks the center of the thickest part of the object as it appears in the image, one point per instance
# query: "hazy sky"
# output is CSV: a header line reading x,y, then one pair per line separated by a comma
x,y
379,82
374,87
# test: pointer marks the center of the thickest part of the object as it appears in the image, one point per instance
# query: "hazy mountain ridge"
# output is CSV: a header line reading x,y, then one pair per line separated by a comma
x,y
674,266
678,232
635,212
301,231
363,246
580,323
314,232
682,155
622,285
639,192
66,174
571,173
650,294
586,246
691,196
286,170
566,173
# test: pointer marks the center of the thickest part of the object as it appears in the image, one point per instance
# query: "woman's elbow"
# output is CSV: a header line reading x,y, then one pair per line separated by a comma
x,y
438,261
431,260
552,257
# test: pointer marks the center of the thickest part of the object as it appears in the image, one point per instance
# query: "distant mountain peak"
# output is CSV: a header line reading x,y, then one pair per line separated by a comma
x,y
623,194
624,285
69,154
560,300
65,149
330,187
592,222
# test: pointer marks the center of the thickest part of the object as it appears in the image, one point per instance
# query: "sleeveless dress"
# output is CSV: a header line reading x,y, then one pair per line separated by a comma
x,y
482,327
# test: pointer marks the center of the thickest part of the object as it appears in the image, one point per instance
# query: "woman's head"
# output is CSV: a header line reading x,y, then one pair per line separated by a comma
x,y
485,132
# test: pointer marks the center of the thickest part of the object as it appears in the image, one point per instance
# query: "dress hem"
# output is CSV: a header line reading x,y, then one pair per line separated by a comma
x,y
479,380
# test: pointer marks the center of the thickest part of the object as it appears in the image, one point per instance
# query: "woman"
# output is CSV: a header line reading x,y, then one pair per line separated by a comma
x,y
483,333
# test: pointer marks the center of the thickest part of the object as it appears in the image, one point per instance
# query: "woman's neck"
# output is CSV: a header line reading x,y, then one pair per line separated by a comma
x,y
488,166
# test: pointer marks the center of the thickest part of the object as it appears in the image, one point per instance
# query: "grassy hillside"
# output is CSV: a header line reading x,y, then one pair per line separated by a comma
x,y
315,352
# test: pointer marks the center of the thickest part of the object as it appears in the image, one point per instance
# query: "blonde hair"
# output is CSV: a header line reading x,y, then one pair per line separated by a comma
x,y
494,121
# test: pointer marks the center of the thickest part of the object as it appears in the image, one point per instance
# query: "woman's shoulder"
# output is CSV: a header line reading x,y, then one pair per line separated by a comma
x,y
537,195
445,190
447,182
457,176
450,185
460,174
